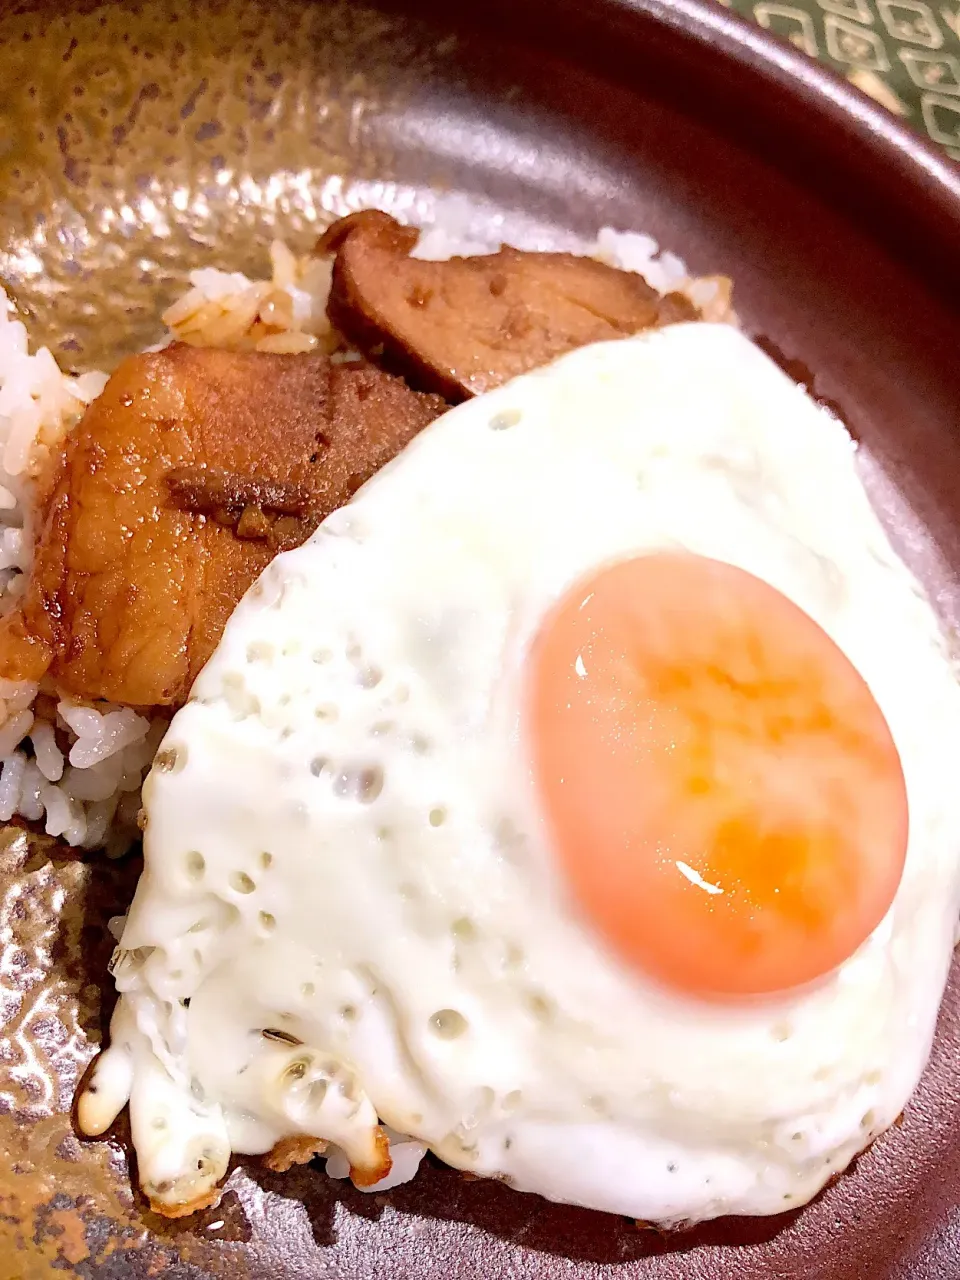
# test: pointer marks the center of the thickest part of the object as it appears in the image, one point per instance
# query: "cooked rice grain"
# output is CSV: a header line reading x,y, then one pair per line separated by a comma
x,y
285,314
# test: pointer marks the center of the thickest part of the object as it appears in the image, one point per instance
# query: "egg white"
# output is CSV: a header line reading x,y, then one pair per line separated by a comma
x,y
343,845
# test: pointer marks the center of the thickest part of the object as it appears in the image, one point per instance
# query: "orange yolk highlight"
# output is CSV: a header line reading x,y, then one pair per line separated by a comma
x,y
723,792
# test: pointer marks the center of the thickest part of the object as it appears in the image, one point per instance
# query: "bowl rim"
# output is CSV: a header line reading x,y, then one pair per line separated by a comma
x,y
711,22
905,180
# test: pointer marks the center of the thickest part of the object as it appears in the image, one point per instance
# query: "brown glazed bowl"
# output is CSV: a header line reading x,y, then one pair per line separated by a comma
x,y
140,139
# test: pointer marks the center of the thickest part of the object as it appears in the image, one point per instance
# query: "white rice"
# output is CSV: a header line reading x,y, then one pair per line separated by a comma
x,y
47,754
79,768
285,314
85,805
38,404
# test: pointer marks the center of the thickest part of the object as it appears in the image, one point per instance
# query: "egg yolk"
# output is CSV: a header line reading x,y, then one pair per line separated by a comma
x,y
722,791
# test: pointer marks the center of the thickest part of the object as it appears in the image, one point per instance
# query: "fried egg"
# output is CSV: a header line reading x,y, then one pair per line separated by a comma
x,y
578,803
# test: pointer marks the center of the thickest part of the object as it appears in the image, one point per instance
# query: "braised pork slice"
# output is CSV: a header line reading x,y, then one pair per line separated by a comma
x,y
175,490
465,325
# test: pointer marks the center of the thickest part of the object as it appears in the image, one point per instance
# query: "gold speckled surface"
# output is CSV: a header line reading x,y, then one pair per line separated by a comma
x,y
51,1018
134,147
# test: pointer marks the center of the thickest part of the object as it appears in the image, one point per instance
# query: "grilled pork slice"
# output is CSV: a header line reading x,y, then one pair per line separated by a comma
x,y
193,469
465,325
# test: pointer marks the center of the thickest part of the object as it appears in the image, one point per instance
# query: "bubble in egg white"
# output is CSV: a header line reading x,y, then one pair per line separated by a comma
x,y
195,865
362,783
241,702
448,1024
171,759
505,419
485,1098
541,1008
240,882
463,929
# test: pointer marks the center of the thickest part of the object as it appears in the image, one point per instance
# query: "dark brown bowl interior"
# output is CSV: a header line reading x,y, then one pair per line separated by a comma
x,y
140,140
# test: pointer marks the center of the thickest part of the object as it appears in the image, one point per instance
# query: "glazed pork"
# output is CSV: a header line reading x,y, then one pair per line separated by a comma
x,y
181,482
465,325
